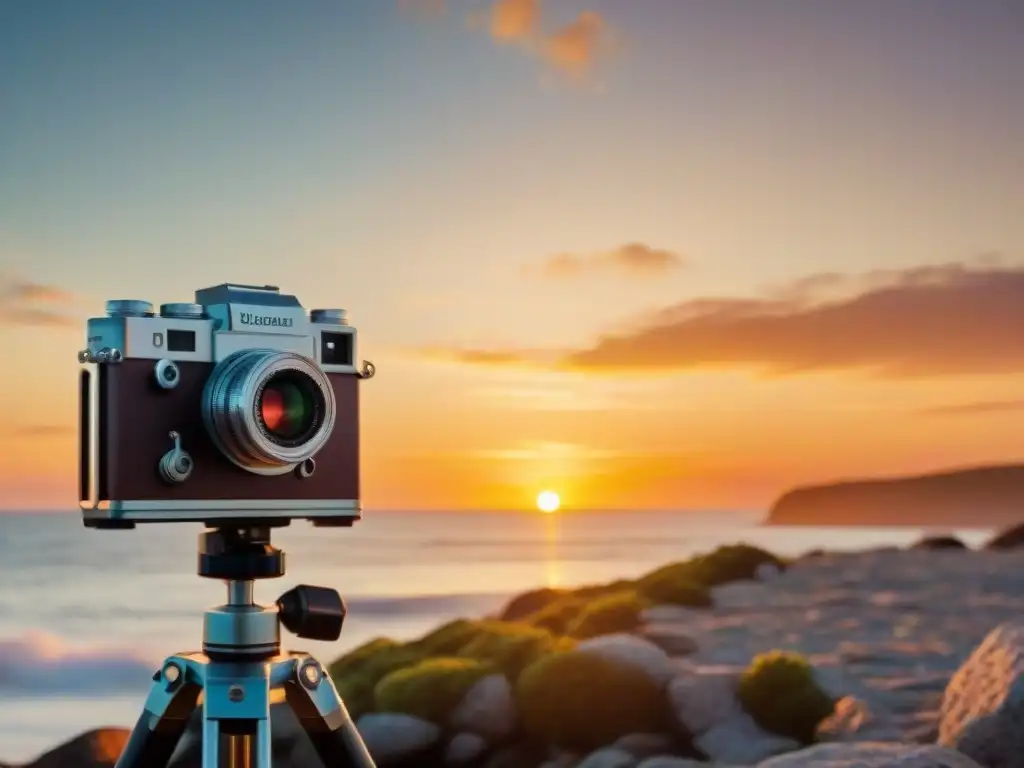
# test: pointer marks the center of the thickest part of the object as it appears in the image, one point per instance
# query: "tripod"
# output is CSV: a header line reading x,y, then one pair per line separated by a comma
x,y
241,663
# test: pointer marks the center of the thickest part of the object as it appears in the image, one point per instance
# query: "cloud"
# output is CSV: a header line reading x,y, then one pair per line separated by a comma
x,y
514,20
33,304
949,319
976,408
572,49
634,259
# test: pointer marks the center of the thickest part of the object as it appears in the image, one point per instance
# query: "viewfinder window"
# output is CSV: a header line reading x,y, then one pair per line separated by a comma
x,y
181,341
336,348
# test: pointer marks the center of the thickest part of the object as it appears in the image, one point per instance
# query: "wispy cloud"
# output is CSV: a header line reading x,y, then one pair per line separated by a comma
x,y
949,319
34,304
632,259
977,408
573,48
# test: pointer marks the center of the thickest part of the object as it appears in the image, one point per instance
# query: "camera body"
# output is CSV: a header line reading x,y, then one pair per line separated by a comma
x,y
239,408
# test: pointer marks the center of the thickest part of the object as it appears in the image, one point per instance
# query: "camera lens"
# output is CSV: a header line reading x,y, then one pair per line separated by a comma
x,y
288,407
268,410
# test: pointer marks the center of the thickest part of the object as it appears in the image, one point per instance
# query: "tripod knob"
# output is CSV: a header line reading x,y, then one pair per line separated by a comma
x,y
312,613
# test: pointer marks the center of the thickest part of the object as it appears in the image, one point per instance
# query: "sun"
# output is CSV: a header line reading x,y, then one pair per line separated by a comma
x,y
548,502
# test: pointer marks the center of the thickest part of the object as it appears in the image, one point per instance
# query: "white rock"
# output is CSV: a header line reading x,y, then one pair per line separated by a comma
x,y
670,761
392,737
609,757
632,651
742,741
703,700
982,712
642,745
464,748
871,755
488,709
739,595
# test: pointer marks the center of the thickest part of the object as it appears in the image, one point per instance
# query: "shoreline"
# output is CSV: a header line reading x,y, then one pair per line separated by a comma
x,y
792,610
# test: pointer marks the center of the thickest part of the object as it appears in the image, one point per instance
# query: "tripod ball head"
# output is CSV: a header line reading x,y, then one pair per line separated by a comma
x,y
312,613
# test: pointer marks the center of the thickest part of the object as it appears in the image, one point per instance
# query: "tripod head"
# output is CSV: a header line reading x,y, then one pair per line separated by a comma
x,y
240,556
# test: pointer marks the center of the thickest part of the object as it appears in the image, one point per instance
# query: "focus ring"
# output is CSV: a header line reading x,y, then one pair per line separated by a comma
x,y
230,406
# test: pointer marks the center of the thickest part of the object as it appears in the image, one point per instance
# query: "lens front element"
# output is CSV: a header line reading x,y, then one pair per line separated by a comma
x,y
268,410
288,408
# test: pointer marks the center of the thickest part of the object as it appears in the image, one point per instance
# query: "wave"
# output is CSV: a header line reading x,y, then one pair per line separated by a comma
x,y
41,664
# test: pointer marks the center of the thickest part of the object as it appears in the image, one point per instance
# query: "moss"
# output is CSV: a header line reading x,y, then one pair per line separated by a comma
x,y
512,646
675,587
734,562
617,612
779,691
592,591
431,689
521,606
581,701
448,639
557,616
357,673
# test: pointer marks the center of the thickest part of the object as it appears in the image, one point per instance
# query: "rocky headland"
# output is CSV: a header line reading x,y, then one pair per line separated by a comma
x,y
981,496
873,659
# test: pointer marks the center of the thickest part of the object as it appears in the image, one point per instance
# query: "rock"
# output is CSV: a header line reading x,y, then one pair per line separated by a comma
x,y
670,614
982,712
395,739
488,709
940,542
767,572
609,757
871,755
670,761
852,720
1008,538
465,749
740,740
671,640
634,652
642,745
98,748
704,700
559,759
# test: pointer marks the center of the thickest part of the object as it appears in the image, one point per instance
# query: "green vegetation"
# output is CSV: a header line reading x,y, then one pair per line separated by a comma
x,y
357,673
674,587
510,647
616,612
779,691
582,701
431,689
578,701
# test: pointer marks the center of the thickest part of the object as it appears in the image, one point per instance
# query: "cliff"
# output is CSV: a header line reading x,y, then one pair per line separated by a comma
x,y
976,497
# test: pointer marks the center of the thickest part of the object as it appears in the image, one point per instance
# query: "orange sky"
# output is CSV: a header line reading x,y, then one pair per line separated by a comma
x,y
683,258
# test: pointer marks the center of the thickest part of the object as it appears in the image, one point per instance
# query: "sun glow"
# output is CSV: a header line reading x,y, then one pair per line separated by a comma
x,y
548,502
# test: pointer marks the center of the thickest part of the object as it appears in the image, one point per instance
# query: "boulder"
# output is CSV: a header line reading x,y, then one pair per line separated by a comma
x,y
488,709
982,712
871,755
701,701
608,757
741,741
398,740
634,652
98,748
528,603
465,749
642,745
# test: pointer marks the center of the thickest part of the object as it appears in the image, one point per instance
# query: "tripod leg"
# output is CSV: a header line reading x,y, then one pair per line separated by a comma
x,y
170,703
315,701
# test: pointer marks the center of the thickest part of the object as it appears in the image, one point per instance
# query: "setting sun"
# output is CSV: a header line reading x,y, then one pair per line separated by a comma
x,y
548,502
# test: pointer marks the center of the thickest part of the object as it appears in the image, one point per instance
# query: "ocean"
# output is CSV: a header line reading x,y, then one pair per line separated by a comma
x,y
86,616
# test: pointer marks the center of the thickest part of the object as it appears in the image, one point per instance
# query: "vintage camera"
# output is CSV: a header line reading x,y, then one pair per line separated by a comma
x,y
239,408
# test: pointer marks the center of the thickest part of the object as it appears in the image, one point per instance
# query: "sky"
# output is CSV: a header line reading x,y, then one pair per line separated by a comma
x,y
649,254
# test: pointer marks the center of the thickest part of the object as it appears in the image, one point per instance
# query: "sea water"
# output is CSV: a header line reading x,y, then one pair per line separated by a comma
x,y
86,616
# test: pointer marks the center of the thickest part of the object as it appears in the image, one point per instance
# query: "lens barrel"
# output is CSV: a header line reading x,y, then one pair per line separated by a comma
x,y
244,409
